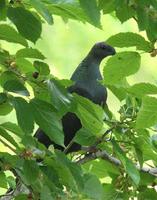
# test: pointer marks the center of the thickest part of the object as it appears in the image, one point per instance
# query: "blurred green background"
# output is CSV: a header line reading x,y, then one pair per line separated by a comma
x,y
66,44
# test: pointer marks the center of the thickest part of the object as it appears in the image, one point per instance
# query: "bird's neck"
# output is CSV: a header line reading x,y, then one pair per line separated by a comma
x,y
90,59
91,66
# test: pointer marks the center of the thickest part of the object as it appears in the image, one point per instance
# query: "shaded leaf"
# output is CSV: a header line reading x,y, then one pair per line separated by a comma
x,y
47,119
93,188
11,35
4,134
92,11
5,107
27,24
60,97
42,67
46,193
3,10
124,12
107,6
24,114
30,171
42,10
16,87
9,126
127,163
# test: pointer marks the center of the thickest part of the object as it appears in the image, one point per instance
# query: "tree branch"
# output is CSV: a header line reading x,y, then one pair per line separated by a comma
x,y
106,156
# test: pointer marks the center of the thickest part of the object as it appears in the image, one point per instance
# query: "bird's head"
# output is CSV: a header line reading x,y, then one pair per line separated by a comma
x,y
101,50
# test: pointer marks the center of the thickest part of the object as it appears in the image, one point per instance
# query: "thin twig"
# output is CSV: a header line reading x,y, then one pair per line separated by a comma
x,y
106,156
68,146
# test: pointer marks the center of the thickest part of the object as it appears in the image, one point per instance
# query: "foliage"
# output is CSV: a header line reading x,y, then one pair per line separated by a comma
x,y
40,98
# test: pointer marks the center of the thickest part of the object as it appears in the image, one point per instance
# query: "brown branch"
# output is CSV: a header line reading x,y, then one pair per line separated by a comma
x,y
106,156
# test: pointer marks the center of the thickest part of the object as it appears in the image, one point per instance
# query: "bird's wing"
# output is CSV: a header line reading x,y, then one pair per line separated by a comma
x,y
80,91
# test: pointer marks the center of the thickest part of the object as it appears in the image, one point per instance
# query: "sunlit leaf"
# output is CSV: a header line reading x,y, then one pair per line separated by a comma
x,y
120,66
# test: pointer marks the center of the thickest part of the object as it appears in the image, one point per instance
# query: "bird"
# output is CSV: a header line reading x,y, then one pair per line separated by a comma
x,y
86,79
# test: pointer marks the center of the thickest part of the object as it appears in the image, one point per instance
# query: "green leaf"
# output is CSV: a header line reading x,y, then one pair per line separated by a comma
x,y
30,171
92,11
48,121
4,134
9,126
42,10
74,168
16,87
24,65
142,19
124,12
119,92
29,53
144,144
67,10
10,35
98,168
3,182
110,192
129,166
3,98
84,137
152,30
42,68
120,66
46,194
93,188
5,107
3,10
24,114
129,39
148,194
4,56
147,115
7,76
107,6
146,179
142,89
90,114
21,197
65,176
27,24
60,97
11,182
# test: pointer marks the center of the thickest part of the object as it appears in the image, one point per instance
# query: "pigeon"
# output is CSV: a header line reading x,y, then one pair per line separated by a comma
x,y
86,79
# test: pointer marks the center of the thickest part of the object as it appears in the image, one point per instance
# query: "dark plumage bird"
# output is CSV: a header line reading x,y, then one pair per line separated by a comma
x,y
86,84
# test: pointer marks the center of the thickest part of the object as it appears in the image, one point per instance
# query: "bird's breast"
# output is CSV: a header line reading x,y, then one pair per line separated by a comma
x,y
97,92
